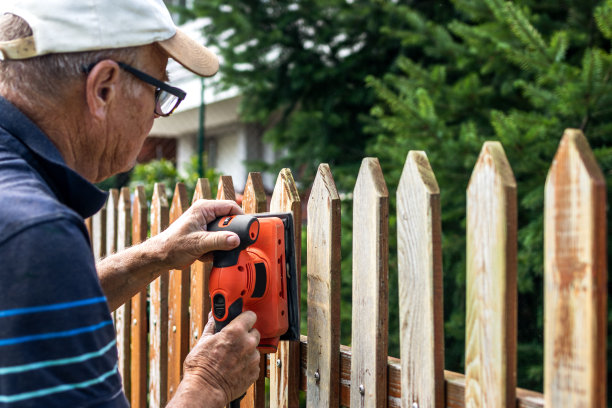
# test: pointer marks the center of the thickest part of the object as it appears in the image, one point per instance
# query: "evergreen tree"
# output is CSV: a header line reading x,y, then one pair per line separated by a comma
x,y
301,67
519,72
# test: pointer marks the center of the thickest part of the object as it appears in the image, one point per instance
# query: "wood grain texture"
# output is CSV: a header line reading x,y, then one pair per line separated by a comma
x,y
324,279
421,314
178,303
225,191
370,287
454,383
254,197
285,376
111,221
200,272
111,228
139,328
254,201
98,234
575,277
158,312
123,314
490,347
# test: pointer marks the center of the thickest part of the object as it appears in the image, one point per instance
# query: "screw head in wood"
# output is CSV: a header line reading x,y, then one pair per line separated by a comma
x,y
173,329
361,389
134,322
279,363
195,335
317,376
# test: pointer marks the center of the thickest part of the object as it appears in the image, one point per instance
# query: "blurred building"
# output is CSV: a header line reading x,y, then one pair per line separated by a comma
x,y
210,115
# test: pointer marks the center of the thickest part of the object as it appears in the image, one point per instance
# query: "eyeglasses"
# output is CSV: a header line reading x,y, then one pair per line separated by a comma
x,y
167,98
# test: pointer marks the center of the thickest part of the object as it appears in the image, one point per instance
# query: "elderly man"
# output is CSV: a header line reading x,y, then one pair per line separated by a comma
x,y
80,85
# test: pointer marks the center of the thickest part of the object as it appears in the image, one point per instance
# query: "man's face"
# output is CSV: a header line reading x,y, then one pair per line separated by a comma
x,y
131,117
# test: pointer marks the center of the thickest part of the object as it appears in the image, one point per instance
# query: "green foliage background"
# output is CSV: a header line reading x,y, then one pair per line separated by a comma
x,y
507,71
163,171
336,80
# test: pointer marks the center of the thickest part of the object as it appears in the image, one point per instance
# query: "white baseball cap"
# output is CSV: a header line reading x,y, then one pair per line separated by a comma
x,y
63,26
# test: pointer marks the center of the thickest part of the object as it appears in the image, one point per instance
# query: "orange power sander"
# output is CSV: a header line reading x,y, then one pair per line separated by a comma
x,y
259,275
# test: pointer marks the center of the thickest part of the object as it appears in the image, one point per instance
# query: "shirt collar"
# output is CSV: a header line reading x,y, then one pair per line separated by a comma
x,y
70,187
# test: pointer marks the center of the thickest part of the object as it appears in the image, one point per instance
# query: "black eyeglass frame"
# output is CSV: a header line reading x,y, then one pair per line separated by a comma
x,y
159,85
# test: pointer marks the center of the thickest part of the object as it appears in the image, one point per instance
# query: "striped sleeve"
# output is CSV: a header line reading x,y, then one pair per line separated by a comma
x,y
57,341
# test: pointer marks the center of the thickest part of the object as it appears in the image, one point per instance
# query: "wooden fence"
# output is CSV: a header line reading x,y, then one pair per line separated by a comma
x,y
152,347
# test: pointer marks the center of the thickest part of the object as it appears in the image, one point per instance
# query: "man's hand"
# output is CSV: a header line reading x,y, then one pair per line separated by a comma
x,y
187,238
221,366
124,274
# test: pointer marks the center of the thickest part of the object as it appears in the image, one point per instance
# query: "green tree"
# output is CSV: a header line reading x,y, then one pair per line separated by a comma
x,y
519,72
301,67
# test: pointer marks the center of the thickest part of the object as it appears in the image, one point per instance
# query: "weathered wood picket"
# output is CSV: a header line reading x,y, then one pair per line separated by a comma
x,y
363,376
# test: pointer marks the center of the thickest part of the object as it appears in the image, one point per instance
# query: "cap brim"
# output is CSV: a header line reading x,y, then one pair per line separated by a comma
x,y
191,54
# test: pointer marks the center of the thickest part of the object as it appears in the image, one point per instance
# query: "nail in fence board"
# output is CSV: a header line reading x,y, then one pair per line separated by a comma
x,y
124,312
324,278
490,346
200,272
420,284
370,287
575,277
178,304
254,201
158,321
139,328
285,363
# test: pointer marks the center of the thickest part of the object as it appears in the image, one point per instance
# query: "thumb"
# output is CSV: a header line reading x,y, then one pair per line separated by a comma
x,y
217,241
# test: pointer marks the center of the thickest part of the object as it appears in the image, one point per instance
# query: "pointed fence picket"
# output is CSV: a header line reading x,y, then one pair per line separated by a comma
x,y
363,376
158,310
285,363
490,344
323,251
575,312
254,201
140,325
370,287
199,304
123,314
419,265
178,303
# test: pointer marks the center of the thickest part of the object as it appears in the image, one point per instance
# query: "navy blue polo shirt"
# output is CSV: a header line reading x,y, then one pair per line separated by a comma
x,y
57,341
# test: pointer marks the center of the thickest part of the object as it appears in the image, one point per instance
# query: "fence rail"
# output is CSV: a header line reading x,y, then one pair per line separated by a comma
x,y
363,376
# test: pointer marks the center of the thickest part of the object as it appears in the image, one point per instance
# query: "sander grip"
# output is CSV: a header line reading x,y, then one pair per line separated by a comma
x,y
232,312
247,229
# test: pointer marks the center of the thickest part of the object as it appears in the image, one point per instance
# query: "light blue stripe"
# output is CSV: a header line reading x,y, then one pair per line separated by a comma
x,y
57,306
62,361
44,336
54,390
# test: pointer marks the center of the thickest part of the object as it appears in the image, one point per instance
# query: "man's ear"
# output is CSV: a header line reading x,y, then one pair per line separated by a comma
x,y
101,87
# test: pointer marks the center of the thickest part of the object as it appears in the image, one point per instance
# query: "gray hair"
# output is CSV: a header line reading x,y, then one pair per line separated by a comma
x,y
46,76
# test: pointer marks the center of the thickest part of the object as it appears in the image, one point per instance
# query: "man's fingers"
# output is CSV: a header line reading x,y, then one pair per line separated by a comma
x,y
212,209
217,241
246,320
209,329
